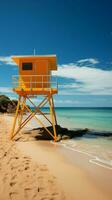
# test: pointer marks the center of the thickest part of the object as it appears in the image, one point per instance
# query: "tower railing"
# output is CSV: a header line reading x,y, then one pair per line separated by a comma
x,y
34,82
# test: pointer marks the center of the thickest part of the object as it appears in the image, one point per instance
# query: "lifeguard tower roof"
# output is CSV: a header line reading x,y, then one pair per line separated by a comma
x,y
51,59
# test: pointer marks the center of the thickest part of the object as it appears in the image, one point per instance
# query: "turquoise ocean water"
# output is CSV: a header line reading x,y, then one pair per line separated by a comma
x,y
98,148
93,118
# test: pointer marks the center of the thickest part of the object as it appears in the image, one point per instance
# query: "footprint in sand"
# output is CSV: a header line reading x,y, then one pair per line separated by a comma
x,y
13,195
40,177
20,170
37,193
13,177
27,192
12,159
43,168
41,189
50,181
26,157
55,194
35,196
12,184
13,167
26,168
4,179
47,198
26,161
16,157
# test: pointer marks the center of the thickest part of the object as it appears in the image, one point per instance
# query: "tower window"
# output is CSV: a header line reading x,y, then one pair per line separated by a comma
x,y
26,66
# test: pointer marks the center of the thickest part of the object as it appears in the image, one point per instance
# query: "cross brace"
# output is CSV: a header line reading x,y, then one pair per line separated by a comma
x,y
21,107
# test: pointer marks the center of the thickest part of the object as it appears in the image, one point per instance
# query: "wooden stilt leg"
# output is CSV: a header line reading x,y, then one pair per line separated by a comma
x,y
15,118
22,110
52,117
54,111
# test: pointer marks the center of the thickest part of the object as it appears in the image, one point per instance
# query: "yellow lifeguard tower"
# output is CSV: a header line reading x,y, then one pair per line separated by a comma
x,y
35,79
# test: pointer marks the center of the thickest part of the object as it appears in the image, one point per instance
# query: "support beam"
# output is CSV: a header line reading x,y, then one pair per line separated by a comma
x,y
15,118
30,116
33,114
54,111
40,122
20,115
40,112
52,117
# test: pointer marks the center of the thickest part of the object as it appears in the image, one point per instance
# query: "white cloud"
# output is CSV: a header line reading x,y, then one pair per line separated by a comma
x,y
7,60
92,61
85,80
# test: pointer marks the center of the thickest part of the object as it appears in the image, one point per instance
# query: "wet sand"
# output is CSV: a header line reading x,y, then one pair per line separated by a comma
x,y
78,178
52,167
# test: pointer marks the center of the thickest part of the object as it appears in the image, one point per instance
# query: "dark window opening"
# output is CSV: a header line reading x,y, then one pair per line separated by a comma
x,y
26,66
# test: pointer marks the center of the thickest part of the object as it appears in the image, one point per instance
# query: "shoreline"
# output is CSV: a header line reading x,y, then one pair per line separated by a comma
x,y
72,175
93,158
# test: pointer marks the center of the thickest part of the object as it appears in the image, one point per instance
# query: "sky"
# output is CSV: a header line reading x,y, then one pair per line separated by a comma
x,y
79,32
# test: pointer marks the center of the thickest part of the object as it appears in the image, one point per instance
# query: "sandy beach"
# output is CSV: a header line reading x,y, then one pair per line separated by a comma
x,y
20,176
43,170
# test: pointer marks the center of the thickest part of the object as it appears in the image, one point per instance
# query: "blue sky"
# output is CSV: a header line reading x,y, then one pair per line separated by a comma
x,y
79,32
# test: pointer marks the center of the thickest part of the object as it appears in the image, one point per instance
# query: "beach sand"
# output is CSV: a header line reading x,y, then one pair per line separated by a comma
x,y
20,176
43,170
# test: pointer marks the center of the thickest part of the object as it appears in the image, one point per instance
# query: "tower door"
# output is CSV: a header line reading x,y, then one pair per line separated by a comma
x,y
41,74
